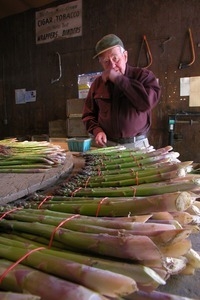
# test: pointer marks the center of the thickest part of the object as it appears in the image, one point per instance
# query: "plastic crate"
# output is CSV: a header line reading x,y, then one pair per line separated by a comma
x,y
79,144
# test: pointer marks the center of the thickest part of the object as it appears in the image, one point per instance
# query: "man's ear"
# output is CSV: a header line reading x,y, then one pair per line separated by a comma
x,y
125,55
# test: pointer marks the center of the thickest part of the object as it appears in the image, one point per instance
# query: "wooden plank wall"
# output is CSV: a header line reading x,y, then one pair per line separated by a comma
x,y
23,64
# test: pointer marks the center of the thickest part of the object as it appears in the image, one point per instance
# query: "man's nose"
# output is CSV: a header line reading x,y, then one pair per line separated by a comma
x,y
112,62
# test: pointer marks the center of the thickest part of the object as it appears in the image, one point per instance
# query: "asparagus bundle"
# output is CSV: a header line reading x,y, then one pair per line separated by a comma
x,y
109,283
106,158
145,189
48,287
28,157
134,178
125,247
159,249
143,175
110,206
167,240
146,278
159,233
121,152
132,162
163,168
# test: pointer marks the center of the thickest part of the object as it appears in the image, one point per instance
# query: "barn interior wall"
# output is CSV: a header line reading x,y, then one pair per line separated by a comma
x,y
165,23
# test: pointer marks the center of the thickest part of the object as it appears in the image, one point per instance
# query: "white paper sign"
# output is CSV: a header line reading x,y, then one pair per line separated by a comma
x,y
63,21
20,96
185,86
30,96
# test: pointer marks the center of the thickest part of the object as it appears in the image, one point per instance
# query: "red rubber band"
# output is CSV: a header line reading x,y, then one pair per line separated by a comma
x,y
44,200
99,171
3,275
132,171
87,181
134,191
136,160
10,211
61,223
136,177
74,192
99,205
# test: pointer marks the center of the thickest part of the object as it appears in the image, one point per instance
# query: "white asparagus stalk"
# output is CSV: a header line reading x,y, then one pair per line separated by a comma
x,y
195,220
182,217
177,249
175,265
155,295
189,270
138,226
169,237
194,209
173,222
197,203
176,224
193,258
140,219
172,265
162,215
194,228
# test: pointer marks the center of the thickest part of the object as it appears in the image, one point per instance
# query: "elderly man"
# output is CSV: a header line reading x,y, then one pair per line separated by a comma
x,y
118,107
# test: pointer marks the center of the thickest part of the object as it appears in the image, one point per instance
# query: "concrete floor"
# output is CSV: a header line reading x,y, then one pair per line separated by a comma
x,y
185,285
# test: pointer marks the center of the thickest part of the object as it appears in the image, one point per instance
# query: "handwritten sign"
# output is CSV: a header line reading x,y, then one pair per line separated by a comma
x,y
63,21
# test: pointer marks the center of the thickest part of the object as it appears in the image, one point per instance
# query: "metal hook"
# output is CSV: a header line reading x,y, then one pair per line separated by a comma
x,y
162,45
60,69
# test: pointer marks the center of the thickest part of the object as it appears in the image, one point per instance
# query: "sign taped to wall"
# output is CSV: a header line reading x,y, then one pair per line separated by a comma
x,y
63,21
23,96
190,86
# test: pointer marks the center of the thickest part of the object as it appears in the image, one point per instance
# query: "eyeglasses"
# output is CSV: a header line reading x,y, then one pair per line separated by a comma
x,y
114,58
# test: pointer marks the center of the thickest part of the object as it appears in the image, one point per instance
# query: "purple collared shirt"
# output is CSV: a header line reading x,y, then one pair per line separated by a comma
x,y
122,109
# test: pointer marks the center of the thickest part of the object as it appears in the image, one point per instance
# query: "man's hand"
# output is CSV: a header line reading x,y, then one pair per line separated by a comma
x,y
101,139
110,74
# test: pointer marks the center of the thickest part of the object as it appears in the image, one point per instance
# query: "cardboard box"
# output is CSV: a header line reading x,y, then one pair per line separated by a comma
x,y
74,107
57,128
75,127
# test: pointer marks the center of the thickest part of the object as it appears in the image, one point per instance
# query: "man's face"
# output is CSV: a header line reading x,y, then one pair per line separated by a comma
x,y
115,58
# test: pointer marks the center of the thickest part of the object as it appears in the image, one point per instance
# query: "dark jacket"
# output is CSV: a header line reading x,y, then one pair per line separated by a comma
x,y
122,109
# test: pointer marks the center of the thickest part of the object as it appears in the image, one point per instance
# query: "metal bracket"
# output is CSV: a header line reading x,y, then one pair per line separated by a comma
x,y
183,65
60,69
148,52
